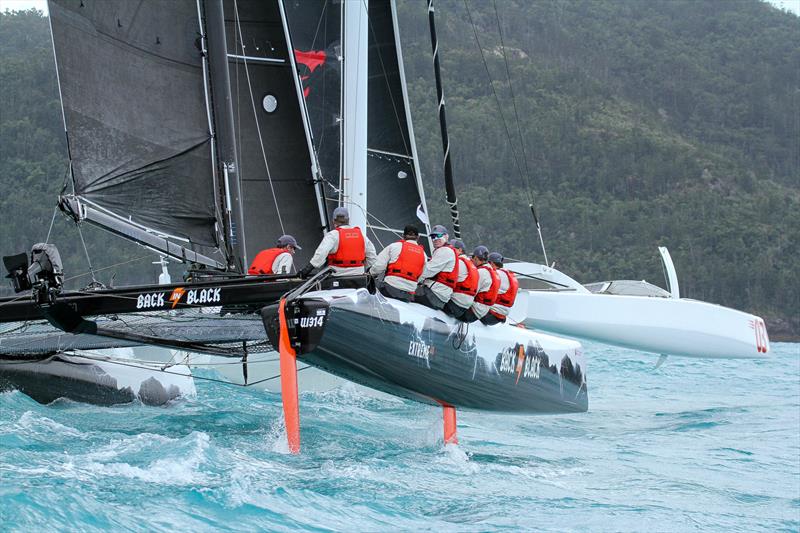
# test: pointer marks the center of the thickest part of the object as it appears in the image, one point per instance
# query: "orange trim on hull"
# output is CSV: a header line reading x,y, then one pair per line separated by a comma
x,y
288,362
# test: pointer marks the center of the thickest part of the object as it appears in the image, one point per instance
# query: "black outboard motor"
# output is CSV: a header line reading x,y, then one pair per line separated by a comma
x,y
44,276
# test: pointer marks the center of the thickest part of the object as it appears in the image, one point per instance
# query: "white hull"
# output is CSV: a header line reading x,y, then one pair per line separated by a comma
x,y
682,327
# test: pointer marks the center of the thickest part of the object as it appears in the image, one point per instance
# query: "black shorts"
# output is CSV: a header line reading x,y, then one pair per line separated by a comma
x,y
393,292
427,297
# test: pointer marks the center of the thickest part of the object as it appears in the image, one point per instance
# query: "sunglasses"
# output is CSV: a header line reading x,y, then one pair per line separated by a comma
x,y
437,235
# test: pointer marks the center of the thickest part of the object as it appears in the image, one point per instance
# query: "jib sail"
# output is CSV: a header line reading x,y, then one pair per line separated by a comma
x,y
395,195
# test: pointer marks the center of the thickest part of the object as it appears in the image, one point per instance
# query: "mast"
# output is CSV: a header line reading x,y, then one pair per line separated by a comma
x,y
452,201
222,103
354,141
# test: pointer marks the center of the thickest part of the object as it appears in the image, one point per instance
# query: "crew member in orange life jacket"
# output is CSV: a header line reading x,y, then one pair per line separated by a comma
x,y
344,248
276,260
506,294
466,286
488,285
440,274
401,264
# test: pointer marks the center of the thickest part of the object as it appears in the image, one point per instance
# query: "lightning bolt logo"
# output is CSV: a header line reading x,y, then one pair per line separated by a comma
x,y
176,296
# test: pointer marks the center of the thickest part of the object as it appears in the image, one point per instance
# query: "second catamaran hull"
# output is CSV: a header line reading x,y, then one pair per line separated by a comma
x,y
415,352
97,379
681,327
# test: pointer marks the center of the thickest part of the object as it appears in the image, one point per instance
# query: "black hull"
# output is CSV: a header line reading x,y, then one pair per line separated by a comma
x,y
495,368
78,379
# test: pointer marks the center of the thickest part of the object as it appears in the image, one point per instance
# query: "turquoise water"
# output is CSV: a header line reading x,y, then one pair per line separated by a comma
x,y
694,445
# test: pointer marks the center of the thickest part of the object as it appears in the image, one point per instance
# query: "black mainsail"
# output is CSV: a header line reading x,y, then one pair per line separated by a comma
x,y
278,170
316,31
131,80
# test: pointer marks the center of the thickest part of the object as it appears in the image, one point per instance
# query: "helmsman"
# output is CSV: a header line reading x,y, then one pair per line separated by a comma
x,y
277,260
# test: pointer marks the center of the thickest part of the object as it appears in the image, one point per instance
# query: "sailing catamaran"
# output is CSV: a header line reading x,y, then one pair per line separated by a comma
x,y
191,133
637,315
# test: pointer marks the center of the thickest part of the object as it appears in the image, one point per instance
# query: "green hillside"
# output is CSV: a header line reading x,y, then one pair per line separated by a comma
x,y
643,124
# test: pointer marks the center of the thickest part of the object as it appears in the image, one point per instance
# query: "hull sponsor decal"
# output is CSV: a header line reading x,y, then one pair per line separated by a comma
x,y
150,300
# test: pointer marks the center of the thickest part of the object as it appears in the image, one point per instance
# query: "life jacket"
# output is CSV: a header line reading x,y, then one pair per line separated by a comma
x,y
352,249
410,263
470,284
507,298
449,278
489,296
262,264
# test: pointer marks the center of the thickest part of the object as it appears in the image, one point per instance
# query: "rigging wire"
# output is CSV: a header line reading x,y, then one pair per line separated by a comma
x,y
524,176
519,130
320,139
255,115
86,250
513,98
496,97
108,267
165,371
52,220
55,209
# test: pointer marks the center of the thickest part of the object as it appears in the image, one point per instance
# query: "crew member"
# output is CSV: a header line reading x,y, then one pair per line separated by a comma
x,y
466,286
401,264
440,274
488,285
277,260
344,248
506,294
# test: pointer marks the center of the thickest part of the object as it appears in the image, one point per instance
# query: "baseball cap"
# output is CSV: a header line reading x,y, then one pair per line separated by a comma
x,y
481,252
288,240
437,231
458,244
410,230
341,212
495,257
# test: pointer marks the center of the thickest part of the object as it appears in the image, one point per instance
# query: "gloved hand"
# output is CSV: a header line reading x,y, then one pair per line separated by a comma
x,y
306,272
372,284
